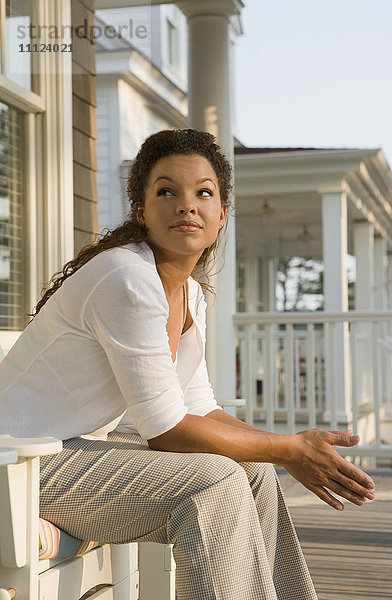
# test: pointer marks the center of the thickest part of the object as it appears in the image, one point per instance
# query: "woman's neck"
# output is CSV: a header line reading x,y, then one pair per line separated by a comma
x,y
173,280
173,273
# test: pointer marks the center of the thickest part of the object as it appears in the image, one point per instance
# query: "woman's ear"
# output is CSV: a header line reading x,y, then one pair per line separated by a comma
x,y
140,215
222,216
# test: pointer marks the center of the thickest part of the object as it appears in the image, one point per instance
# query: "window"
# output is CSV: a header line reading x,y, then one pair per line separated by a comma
x,y
19,101
12,218
173,37
36,195
173,21
172,44
18,20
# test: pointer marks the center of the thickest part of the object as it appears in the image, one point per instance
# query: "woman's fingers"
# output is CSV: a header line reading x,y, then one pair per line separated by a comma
x,y
347,469
337,488
346,493
327,497
354,478
343,438
350,482
345,432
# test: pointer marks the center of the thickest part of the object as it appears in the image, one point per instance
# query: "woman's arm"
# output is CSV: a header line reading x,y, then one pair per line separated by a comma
x,y
308,455
224,417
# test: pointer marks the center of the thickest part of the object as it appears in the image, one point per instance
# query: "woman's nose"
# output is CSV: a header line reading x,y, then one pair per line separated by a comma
x,y
186,204
186,210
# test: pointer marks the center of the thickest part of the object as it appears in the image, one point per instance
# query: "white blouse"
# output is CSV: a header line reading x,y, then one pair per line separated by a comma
x,y
98,351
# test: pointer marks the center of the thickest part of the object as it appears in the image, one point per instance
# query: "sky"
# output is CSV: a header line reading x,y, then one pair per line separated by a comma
x,y
315,73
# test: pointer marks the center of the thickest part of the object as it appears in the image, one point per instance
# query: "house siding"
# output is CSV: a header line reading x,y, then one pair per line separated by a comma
x,y
84,127
107,124
124,120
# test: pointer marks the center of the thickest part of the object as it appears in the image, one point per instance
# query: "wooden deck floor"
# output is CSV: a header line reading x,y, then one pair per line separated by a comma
x,y
349,553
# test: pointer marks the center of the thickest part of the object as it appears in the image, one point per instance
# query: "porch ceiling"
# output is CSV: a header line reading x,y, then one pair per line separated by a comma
x,y
278,232
279,196
99,4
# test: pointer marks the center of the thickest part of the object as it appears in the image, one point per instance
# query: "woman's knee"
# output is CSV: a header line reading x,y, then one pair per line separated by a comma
x,y
258,472
214,468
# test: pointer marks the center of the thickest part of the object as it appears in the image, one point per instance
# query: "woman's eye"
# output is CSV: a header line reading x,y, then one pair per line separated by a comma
x,y
164,192
205,193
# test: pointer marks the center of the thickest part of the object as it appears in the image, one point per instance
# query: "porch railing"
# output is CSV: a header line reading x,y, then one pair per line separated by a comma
x,y
328,369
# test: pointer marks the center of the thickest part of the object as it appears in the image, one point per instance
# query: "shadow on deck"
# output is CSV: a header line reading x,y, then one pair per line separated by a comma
x,y
349,553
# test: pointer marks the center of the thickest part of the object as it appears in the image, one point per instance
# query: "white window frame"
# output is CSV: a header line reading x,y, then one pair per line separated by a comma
x,y
171,20
49,180
170,13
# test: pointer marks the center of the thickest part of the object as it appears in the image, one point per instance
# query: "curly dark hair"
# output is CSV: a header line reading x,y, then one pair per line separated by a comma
x,y
157,146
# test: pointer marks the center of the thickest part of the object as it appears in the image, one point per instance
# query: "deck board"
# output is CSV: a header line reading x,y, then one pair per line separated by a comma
x,y
349,553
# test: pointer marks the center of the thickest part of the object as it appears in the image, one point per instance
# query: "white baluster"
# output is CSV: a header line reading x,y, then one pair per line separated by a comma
x,y
269,377
354,378
376,382
310,367
289,379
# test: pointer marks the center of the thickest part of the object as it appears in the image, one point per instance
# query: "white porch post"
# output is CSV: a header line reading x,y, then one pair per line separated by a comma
x,y
269,281
364,255
211,109
334,216
364,300
380,264
389,290
389,280
252,279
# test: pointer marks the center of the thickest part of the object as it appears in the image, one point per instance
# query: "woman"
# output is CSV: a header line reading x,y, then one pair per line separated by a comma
x,y
117,343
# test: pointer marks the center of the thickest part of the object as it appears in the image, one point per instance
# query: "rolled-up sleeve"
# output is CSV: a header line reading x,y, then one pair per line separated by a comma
x,y
126,313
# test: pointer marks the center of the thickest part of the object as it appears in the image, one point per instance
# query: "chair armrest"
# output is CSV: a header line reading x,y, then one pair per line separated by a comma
x,y
19,498
232,402
8,456
29,447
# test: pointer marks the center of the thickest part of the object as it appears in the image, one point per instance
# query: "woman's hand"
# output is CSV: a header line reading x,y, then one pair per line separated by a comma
x,y
315,464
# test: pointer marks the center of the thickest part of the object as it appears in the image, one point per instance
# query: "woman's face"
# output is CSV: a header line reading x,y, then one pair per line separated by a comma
x,y
182,188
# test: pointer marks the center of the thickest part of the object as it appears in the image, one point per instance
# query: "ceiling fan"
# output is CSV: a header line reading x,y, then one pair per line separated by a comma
x,y
304,236
266,211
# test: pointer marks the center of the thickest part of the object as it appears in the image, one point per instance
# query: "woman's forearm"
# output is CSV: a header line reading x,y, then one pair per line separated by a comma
x,y
224,417
217,435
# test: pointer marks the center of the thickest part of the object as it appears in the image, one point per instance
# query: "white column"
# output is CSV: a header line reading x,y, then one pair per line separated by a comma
x,y
364,300
381,303
334,209
272,268
334,216
268,283
389,282
211,109
210,70
252,280
380,264
389,290
364,255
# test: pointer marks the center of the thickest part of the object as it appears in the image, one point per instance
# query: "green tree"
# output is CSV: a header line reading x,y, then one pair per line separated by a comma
x,y
298,279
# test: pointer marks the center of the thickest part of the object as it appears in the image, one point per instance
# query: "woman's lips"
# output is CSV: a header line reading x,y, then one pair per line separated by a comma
x,y
186,228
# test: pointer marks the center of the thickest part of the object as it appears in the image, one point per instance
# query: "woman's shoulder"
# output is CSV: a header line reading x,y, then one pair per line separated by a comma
x,y
130,258
127,267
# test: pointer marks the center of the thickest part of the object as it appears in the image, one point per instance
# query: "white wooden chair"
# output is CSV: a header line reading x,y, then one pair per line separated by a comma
x,y
133,571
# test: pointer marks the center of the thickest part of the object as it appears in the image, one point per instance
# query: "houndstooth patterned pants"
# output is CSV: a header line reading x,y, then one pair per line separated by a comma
x,y
233,536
